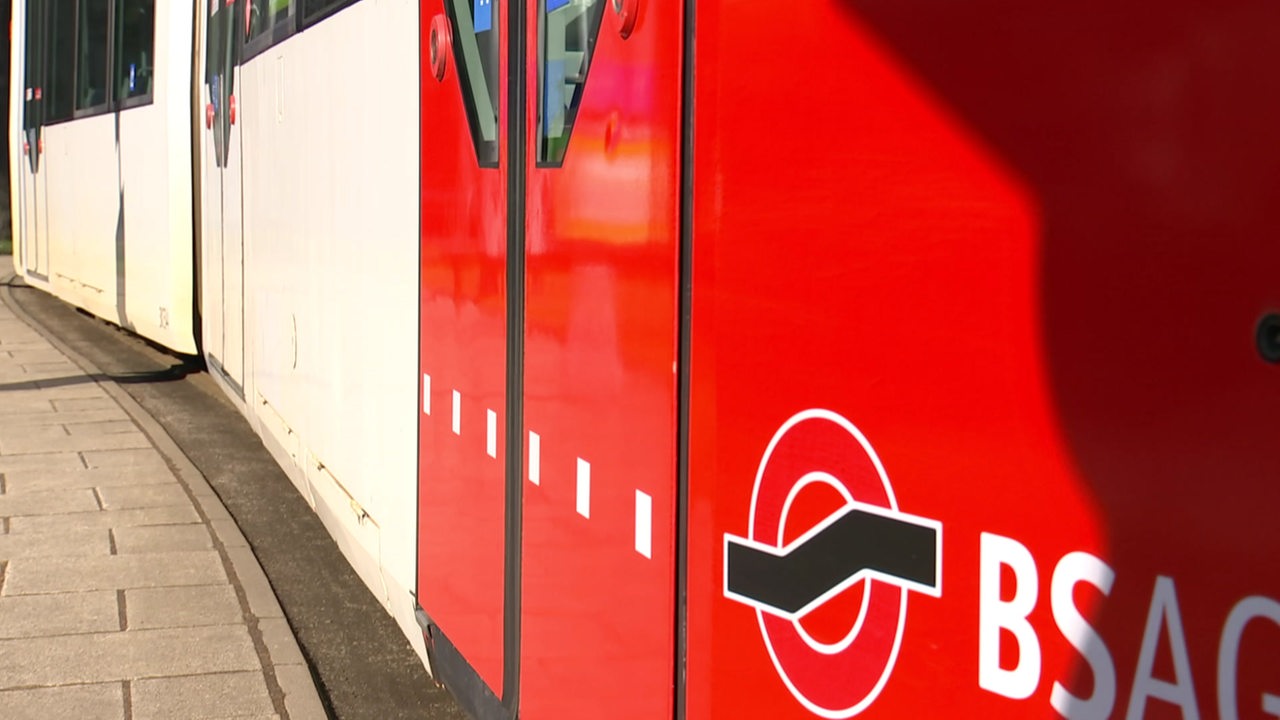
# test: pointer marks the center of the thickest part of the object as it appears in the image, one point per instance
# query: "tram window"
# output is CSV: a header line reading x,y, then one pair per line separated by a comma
x,y
135,56
313,10
220,60
215,45
92,37
567,32
34,77
264,15
60,102
475,49
269,22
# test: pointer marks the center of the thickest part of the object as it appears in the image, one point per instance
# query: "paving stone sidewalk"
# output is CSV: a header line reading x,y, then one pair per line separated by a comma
x,y
126,589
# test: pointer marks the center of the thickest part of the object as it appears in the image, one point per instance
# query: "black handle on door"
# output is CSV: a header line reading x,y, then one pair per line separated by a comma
x,y
1268,336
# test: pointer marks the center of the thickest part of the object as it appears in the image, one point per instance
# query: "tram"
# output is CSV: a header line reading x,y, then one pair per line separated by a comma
x,y
712,360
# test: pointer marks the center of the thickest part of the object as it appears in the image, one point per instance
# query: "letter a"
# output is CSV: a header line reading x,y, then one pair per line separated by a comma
x,y
1181,692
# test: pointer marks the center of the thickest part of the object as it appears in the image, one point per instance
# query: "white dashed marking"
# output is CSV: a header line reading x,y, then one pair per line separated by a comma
x,y
582,497
491,443
584,488
426,394
457,413
644,524
535,458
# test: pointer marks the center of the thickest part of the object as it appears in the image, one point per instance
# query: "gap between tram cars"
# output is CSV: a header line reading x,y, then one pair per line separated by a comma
x,y
743,334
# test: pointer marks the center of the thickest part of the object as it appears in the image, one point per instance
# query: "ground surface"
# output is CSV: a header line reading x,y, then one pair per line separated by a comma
x,y
117,559
363,665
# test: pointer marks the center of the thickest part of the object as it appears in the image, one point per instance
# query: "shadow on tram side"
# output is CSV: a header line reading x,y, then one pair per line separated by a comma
x,y
1145,136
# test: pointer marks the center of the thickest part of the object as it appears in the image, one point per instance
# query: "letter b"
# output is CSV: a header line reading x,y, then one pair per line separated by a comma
x,y
994,614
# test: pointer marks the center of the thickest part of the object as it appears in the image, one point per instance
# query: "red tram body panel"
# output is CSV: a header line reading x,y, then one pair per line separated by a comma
x,y
859,359
1023,252
602,239
463,336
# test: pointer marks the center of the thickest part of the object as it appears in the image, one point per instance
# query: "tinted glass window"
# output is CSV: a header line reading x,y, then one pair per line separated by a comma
x,y
220,49
475,54
135,55
93,28
567,31
265,15
315,9
60,102
32,93
214,46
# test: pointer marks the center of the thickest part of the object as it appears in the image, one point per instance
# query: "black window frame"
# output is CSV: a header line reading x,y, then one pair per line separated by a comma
x,y
60,89
304,14
282,30
487,151
149,97
51,61
313,11
35,63
108,102
59,110
551,152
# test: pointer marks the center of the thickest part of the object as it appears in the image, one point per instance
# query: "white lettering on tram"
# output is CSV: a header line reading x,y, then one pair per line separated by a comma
x,y
1008,621
1247,609
1073,569
995,615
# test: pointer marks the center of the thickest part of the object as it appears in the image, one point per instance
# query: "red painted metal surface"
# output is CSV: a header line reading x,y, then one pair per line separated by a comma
x,y
602,260
1023,252
461,496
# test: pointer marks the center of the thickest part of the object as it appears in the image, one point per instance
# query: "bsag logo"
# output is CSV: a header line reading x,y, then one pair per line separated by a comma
x,y
867,540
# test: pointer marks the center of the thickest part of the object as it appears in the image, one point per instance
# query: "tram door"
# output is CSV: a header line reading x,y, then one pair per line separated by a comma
x,y
223,236
549,331
602,255
34,232
463,493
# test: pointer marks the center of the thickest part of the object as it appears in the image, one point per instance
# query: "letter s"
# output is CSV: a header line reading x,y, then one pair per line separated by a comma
x,y
1075,568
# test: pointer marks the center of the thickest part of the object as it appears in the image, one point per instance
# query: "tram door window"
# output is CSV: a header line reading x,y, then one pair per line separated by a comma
x,y
476,55
220,76
567,34
60,101
92,42
135,50
33,91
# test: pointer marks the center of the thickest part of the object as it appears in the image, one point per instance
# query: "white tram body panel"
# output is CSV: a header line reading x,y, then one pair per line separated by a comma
x,y
327,131
105,222
296,221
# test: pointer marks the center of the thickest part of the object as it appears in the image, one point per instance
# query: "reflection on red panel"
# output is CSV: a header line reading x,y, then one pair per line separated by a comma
x,y
965,231
599,524
463,355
